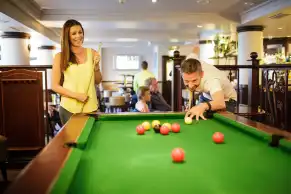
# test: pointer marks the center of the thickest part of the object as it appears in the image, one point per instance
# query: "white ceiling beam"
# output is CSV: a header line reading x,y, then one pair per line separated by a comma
x,y
26,13
264,9
92,15
28,6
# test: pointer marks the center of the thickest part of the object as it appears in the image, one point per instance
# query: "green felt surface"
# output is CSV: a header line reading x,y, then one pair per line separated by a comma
x,y
117,160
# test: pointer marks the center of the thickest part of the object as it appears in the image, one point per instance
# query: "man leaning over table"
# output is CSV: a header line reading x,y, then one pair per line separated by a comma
x,y
216,91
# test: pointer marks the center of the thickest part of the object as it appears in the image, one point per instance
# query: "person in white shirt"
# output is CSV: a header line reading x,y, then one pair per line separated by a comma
x,y
139,78
206,79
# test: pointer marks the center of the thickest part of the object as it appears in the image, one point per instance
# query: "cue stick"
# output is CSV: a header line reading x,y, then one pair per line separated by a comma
x,y
191,98
93,73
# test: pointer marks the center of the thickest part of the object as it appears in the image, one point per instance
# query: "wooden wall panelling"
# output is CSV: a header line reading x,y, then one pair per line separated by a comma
x,y
22,109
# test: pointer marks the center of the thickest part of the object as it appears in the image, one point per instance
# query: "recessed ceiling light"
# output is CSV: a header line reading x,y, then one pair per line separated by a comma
x,y
280,28
203,1
174,40
126,39
188,42
154,1
199,26
288,36
249,3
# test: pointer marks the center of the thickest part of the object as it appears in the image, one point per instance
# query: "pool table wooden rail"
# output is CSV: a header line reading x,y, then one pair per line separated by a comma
x,y
40,173
259,126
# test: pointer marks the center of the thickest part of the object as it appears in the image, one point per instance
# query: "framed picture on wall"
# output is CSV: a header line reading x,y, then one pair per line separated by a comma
x,y
126,62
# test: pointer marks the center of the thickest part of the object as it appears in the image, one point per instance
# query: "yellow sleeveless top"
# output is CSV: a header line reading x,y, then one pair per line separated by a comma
x,y
80,78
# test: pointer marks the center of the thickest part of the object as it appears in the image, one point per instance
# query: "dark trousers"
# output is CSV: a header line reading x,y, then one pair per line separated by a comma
x,y
64,115
231,105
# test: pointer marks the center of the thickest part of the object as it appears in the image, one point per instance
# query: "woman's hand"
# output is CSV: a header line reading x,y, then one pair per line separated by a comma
x,y
96,61
81,97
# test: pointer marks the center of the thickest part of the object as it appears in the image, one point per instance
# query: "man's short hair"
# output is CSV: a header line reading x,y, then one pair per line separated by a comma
x,y
144,65
141,91
148,81
191,66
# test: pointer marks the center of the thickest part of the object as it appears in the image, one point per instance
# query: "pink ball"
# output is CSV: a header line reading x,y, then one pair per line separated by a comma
x,y
140,130
178,155
175,127
218,137
164,130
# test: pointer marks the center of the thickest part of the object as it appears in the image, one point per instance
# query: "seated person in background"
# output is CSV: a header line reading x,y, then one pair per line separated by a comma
x,y
158,103
218,92
144,97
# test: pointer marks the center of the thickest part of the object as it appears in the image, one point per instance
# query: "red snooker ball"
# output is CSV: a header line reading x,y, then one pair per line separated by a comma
x,y
218,137
178,155
175,127
140,130
164,130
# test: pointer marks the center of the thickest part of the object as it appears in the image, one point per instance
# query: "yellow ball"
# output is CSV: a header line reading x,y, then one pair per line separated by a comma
x,y
168,125
188,120
146,125
155,122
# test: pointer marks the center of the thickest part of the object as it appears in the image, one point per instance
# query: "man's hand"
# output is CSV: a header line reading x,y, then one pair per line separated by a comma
x,y
197,111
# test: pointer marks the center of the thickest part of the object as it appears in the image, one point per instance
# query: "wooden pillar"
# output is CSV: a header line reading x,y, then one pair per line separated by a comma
x,y
253,88
177,83
166,84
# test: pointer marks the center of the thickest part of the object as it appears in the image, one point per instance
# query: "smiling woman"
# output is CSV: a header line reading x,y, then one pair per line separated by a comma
x,y
75,72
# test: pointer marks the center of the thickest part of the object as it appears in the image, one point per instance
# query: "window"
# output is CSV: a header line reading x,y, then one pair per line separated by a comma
x,y
127,62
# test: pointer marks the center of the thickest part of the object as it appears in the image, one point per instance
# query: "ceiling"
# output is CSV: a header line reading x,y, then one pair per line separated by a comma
x,y
277,24
9,24
143,22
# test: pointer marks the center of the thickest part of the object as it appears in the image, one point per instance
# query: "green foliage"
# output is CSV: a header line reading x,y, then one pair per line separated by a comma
x,y
224,47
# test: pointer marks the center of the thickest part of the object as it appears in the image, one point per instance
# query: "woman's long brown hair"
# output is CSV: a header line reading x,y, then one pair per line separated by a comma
x,y
67,55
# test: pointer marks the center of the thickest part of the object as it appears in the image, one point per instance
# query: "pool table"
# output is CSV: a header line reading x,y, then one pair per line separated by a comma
x,y
102,153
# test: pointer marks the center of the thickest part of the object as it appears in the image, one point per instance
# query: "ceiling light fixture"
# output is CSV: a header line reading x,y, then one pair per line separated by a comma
x,y
249,3
154,1
280,28
203,2
126,39
174,40
188,42
199,26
